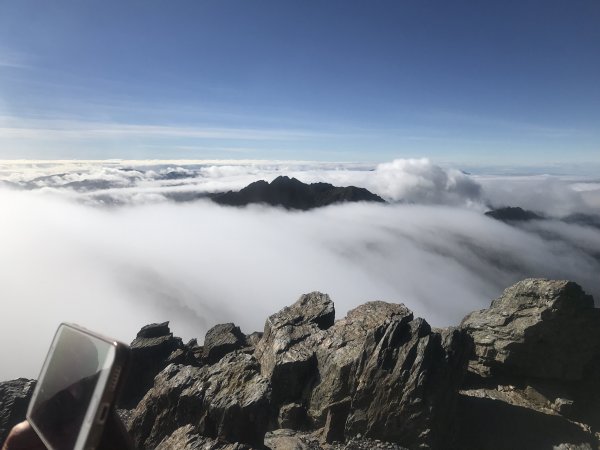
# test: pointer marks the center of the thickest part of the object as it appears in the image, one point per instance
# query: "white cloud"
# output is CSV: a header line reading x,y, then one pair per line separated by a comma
x,y
197,264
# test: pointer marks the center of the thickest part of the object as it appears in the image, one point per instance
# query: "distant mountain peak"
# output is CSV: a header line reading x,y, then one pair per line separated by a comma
x,y
292,193
513,214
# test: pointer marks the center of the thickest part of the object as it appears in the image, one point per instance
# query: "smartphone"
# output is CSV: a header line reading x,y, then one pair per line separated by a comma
x,y
76,388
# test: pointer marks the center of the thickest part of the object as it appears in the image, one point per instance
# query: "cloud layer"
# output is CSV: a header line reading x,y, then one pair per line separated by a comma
x,y
64,258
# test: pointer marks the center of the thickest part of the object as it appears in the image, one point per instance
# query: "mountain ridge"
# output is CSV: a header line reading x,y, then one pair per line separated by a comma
x,y
378,377
291,193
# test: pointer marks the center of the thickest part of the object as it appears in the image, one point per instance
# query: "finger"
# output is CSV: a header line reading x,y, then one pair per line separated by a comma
x,y
23,437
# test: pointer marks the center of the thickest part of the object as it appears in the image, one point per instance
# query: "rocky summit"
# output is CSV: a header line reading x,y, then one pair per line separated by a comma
x,y
521,374
291,193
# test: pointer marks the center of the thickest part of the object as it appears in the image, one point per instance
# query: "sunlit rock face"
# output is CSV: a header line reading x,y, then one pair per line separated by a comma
x,y
377,377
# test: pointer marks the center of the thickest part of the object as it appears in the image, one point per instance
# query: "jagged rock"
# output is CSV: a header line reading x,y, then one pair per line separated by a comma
x,y
538,328
354,392
222,339
407,382
154,330
228,400
535,366
286,439
339,351
14,399
292,416
194,353
151,352
187,438
253,339
286,351
378,378
367,444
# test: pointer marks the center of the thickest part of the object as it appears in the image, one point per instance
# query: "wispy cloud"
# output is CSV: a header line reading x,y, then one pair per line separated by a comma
x,y
198,264
14,60
15,128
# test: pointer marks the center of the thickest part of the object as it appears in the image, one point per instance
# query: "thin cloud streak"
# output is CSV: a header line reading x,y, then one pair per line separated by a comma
x,y
81,130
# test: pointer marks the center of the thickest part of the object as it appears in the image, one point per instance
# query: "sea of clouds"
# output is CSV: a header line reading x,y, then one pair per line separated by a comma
x,y
111,245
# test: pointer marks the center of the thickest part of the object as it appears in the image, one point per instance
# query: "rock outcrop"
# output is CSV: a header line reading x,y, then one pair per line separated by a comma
x,y
521,374
535,368
150,353
222,339
229,400
286,351
537,328
378,372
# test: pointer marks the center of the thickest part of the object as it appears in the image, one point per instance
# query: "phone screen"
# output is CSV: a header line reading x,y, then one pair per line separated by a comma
x,y
66,397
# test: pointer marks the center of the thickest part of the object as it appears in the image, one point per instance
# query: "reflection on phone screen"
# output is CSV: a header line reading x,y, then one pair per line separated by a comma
x,y
68,386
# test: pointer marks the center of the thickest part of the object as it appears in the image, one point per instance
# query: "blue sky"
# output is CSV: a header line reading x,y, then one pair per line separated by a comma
x,y
471,82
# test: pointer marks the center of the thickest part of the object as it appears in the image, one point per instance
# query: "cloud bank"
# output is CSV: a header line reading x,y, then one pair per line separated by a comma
x,y
66,258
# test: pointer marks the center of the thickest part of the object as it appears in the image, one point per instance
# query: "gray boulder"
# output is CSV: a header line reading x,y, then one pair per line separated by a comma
x,y
538,328
187,438
377,372
286,351
407,381
229,400
14,399
339,351
150,353
535,369
222,339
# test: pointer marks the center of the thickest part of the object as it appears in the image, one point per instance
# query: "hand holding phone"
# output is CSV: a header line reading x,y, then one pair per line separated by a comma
x,y
114,437
74,396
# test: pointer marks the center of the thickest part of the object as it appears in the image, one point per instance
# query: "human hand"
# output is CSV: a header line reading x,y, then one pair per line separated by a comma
x,y
23,437
114,437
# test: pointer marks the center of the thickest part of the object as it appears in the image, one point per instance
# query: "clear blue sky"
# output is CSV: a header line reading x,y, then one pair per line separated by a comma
x,y
490,82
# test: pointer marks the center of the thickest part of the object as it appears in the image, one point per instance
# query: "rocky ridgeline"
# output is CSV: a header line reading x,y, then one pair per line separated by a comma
x,y
522,374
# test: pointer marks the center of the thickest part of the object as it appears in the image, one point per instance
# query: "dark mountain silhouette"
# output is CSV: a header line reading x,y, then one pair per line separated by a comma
x,y
513,214
586,220
294,194
517,214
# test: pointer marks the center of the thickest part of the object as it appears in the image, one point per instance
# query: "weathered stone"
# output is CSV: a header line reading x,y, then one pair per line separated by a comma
x,y
253,339
285,439
228,400
154,330
14,399
177,357
337,413
287,349
340,349
150,353
377,379
407,383
535,366
222,339
187,438
538,328
292,416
